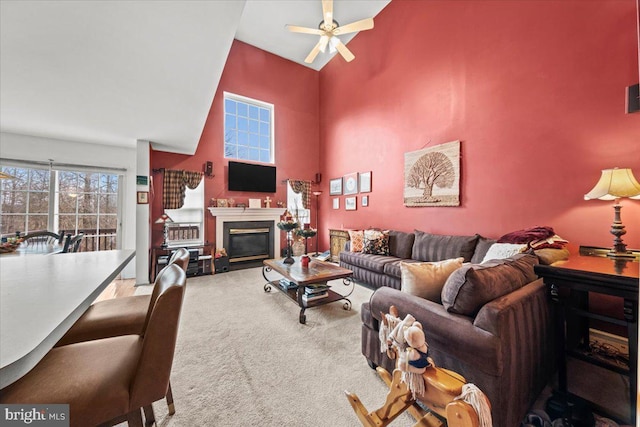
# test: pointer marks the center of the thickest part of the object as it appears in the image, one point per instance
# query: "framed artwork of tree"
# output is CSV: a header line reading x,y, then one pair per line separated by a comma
x,y
432,176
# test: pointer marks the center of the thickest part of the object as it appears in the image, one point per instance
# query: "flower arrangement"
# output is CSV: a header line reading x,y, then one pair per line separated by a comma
x,y
287,223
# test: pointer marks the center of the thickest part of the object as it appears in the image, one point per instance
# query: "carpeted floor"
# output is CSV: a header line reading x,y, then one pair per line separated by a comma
x,y
242,358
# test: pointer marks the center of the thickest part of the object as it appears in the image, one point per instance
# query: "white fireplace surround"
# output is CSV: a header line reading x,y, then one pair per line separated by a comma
x,y
223,215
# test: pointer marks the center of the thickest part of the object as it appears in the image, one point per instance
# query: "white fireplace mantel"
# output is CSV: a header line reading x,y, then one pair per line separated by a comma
x,y
223,215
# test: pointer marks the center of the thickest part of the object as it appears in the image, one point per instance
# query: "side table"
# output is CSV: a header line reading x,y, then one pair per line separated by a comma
x,y
569,284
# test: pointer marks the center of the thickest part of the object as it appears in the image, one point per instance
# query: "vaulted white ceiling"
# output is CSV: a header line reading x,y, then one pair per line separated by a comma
x,y
113,72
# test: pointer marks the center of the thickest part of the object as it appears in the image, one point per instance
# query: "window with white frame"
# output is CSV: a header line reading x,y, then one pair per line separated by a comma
x,y
248,129
188,221
65,201
295,206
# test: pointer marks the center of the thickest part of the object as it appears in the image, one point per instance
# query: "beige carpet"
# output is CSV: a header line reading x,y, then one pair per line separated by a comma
x,y
242,358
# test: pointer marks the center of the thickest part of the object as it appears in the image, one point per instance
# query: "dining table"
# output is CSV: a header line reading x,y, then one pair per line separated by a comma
x,y
42,296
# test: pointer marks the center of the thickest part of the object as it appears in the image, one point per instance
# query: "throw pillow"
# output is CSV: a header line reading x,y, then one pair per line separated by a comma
x,y
503,250
376,242
483,245
472,286
400,244
357,240
426,279
438,247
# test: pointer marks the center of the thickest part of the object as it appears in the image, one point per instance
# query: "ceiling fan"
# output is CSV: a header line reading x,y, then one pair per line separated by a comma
x,y
328,29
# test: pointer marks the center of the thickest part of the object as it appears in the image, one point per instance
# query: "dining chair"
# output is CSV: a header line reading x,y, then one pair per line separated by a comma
x,y
72,244
42,238
122,316
107,381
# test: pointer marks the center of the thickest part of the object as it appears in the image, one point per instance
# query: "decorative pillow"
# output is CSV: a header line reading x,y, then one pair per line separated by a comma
x,y
438,247
426,279
483,245
376,242
400,244
503,250
472,286
357,240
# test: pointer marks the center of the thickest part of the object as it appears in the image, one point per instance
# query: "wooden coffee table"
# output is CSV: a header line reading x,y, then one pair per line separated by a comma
x,y
318,272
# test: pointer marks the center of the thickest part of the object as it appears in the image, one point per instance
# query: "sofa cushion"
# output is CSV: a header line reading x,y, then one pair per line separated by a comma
x,y
393,268
483,245
472,286
356,237
401,244
503,250
426,279
438,247
376,242
367,261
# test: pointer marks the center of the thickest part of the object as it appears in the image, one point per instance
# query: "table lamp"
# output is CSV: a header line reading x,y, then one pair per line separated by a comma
x,y
164,220
615,184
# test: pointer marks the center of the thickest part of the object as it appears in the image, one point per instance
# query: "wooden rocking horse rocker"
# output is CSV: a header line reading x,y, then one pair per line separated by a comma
x,y
416,378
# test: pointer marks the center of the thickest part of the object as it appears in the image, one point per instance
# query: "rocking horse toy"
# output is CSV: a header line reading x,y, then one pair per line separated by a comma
x,y
416,378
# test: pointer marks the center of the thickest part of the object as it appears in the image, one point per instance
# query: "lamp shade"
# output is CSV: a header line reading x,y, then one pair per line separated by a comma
x,y
614,184
164,218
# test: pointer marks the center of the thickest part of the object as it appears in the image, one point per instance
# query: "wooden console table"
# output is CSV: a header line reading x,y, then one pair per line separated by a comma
x,y
569,284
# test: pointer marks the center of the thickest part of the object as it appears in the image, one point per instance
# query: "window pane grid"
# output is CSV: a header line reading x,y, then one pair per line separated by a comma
x,y
24,200
247,129
84,202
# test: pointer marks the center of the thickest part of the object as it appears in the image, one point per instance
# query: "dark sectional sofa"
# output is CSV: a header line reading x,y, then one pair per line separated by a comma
x,y
502,344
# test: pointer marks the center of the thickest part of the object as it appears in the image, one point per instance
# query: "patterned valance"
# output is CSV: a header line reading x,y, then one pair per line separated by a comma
x,y
304,187
175,182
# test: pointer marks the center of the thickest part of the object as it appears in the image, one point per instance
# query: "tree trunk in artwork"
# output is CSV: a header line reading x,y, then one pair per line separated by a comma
x,y
431,169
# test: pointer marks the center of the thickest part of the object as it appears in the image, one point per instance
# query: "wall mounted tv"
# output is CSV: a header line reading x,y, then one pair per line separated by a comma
x,y
250,177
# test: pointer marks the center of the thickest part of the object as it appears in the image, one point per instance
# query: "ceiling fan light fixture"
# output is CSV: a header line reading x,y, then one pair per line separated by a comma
x,y
324,40
333,43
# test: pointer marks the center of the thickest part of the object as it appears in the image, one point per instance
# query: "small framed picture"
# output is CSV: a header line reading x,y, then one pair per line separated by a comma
x,y
336,203
365,201
365,182
350,203
335,187
223,203
143,197
351,183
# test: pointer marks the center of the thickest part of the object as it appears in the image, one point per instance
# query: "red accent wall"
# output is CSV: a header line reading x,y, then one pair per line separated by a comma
x,y
534,91
254,73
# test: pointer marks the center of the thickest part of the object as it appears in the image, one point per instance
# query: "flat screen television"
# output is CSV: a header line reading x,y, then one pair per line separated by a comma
x,y
250,177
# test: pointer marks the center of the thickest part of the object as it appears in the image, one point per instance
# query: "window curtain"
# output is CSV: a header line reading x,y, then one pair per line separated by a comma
x,y
304,187
174,184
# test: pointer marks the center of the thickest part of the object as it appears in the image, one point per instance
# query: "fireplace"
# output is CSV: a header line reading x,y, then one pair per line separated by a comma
x,y
248,224
248,242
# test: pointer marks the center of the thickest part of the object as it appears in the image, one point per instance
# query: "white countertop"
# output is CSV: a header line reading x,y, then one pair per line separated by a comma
x,y
41,297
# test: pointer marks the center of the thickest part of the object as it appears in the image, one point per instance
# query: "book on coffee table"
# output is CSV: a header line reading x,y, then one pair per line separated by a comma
x,y
309,298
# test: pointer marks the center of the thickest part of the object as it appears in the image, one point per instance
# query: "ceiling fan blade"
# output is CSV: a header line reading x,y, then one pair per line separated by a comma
x,y
314,52
327,13
346,53
364,24
305,30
